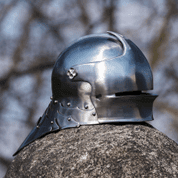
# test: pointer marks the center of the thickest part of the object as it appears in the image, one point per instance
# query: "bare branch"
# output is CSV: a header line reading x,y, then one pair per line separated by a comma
x,y
5,162
6,9
157,47
33,70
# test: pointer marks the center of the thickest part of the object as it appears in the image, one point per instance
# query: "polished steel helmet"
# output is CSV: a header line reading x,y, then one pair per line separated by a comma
x,y
98,79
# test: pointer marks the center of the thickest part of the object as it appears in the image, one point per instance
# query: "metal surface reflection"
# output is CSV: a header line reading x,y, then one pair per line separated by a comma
x,y
98,79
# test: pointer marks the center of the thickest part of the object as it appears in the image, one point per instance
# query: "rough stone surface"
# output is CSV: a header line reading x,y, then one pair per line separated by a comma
x,y
127,150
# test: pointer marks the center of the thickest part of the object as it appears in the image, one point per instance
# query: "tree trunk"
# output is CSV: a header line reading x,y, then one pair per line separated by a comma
x,y
108,150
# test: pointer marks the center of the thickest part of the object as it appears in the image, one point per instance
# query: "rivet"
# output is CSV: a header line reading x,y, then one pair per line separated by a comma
x,y
51,98
55,101
86,106
69,119
52,122
94,114
37,127
68,104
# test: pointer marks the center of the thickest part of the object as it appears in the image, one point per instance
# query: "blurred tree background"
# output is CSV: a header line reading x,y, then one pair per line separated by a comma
x,y
33,33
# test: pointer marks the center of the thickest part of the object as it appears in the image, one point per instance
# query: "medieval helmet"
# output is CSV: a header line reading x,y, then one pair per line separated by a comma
x,y
98,79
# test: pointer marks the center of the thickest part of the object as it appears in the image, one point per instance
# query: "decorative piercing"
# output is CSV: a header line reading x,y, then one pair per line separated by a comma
x,y
71,73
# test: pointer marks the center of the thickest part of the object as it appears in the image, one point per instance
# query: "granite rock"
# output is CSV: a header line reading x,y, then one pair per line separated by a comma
x,y
108,150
